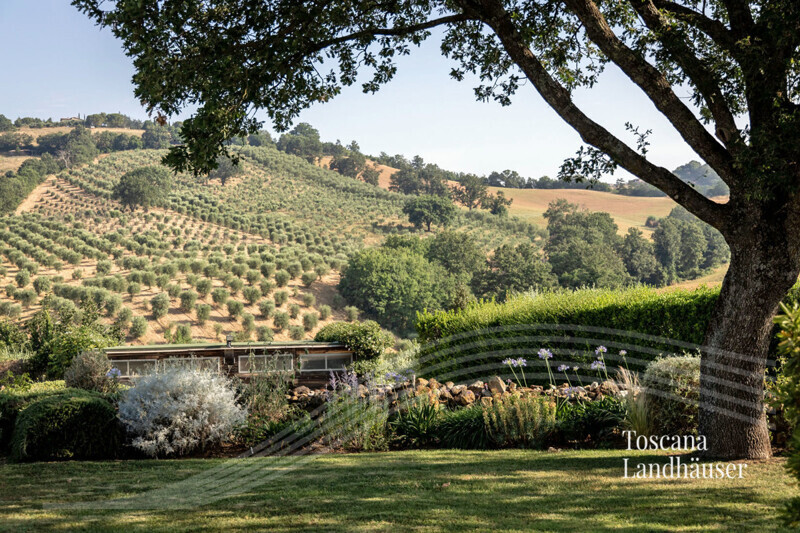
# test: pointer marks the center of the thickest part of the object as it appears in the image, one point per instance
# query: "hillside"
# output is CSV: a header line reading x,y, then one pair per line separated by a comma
x,y
530,204
280,214
38,132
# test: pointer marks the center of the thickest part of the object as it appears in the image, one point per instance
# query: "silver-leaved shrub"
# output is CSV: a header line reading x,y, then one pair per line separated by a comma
x,y
180,408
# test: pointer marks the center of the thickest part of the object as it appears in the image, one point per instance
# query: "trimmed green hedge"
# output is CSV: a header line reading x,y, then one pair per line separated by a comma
x,y
13,401
491,331
74,424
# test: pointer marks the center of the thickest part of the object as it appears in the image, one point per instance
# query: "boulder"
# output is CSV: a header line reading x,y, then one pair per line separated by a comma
x,y
609,388
457,389
476,387
302,390
467,397
496,385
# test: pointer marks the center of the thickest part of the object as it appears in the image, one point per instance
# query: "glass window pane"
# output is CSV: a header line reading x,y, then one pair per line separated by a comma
x,y
338,362
309,362
140,367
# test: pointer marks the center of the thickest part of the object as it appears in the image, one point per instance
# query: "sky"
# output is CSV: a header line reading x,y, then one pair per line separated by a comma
x,y
57,63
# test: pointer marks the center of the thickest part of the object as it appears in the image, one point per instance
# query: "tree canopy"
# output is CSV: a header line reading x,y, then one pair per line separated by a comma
x,y
427,210
144,186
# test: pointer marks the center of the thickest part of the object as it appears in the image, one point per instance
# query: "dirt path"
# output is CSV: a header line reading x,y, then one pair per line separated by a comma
x,y
37,193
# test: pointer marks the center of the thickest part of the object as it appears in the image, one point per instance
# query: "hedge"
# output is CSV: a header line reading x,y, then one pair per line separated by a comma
x,y
13,401
73,424
492,331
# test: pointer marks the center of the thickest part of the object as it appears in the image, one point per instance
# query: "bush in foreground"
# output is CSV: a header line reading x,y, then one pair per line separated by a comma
x,y
672,388
179,409
71,425
12,401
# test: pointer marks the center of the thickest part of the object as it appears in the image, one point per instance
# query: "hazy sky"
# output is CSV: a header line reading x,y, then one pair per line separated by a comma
x,y
57,63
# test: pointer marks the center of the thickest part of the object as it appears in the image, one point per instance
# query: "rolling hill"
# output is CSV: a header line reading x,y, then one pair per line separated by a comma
x,y
280,214
627,211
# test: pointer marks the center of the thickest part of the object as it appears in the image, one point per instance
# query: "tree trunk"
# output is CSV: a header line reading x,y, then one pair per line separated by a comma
x,y
737,340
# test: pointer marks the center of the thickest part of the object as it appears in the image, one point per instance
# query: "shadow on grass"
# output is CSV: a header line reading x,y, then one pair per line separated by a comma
x,y
511,490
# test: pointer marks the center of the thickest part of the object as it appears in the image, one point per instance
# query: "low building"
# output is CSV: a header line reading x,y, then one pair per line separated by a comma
x,y
310,361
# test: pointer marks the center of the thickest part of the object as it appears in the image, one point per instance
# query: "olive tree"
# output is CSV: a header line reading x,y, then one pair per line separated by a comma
x,y
145,187
738,60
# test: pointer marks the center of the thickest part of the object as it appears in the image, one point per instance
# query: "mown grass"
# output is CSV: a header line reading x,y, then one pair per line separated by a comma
x,y
511,490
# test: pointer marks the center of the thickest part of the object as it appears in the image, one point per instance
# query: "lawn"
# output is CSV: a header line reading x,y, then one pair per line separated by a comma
x,y
451,491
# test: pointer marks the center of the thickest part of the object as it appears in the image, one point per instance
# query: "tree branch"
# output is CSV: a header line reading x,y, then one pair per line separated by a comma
x,y
713,28
704,80
397,31
494,15
655,85
740,16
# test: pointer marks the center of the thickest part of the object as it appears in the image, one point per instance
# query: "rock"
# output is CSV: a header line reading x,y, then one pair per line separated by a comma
x,y
467,397
512,386
422,382
433,384
445,395
609,388
486,401
476,387
302,390
449,384
496,385
486,393
363,391
458,389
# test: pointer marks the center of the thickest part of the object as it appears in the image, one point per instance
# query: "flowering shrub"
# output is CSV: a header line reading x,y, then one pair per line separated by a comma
x,y
178,409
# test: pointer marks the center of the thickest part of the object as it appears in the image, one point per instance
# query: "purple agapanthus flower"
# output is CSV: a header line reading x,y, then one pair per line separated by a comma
x,y
521,362
395,377
623,353
544,353
576,368
598,365
508,361
600,350
114,373
563,368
